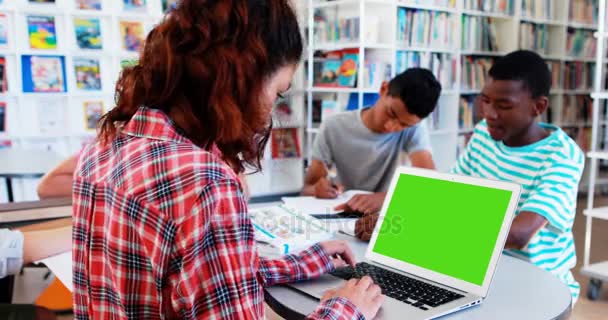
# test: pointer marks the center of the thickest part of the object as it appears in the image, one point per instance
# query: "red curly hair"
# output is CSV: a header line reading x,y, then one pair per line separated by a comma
x,y
205,66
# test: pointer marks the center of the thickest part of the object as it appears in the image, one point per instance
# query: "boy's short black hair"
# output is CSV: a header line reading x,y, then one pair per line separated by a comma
x,y
526,66
418,89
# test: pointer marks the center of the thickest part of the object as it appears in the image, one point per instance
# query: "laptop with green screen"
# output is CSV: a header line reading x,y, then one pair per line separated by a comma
x,y
436,244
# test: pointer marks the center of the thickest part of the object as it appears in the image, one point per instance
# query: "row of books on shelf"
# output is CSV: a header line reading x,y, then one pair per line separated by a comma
x,y
578,75
425,28
47,74
474,72
333,29
479,34
97,5
580,43
584,11
468,112
539,9
436,3
52,117
376,72
496,6
576,109
42,33
534,37
442,65
337,69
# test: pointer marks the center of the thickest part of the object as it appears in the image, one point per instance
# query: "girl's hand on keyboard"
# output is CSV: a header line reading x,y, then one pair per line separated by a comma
x,y
363,293
340,253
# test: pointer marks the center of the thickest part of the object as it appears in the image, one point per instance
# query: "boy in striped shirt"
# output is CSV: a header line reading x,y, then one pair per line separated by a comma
x,y
509,144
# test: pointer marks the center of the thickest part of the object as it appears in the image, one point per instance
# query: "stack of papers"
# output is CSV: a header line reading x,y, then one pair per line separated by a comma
x,y
61,266
312,205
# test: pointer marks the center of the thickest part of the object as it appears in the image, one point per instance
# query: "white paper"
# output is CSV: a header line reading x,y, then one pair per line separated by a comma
x,y
61,266
312,205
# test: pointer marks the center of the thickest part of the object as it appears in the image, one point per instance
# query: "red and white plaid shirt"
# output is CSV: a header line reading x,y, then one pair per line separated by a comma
x,y
161,231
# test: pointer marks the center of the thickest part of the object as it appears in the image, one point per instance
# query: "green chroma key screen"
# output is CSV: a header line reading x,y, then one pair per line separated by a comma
x,y
448,227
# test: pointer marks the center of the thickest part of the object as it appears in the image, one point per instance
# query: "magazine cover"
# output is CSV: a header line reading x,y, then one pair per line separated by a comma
x,y
41,30
135,5
3,31
2,117
93,110
51,114
285,143
88,4
88,33
43,73
87,72
132,35
3,75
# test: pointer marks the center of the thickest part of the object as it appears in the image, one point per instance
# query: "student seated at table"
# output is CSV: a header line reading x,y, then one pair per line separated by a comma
x,y
509,144
33,243
365,145
161,223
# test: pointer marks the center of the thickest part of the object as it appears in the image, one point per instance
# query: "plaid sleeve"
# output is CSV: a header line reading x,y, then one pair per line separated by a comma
x,y
308,264
336,309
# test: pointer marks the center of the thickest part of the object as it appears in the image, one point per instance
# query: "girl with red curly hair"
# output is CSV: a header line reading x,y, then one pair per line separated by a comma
x,y
161,225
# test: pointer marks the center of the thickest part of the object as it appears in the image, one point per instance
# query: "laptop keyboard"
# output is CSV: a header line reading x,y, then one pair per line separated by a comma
x,y
419,294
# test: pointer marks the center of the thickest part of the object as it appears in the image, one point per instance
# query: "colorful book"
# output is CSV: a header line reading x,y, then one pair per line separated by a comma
x,y
2,116
88,4
42,1
330,73
134,5
3,75
43,73
93,110
285,143
42,34
88,33
348,70
132,35
3,31
87,72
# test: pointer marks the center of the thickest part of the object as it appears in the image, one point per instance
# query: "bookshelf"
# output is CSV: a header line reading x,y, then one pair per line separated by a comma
x,y
477,33
58,120
598,157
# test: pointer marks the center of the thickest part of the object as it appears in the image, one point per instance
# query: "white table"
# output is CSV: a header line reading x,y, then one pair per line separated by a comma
x,y
18,163
519,291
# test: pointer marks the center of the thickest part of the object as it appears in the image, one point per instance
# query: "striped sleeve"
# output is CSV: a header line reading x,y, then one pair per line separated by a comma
x,y
554,197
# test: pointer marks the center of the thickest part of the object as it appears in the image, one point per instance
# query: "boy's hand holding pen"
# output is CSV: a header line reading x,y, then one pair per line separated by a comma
x,y
327,188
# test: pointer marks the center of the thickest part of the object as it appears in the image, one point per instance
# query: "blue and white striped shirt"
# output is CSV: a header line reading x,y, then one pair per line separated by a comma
x,y
549,172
